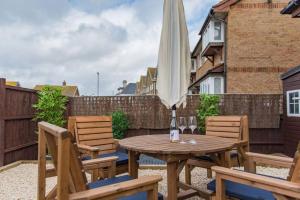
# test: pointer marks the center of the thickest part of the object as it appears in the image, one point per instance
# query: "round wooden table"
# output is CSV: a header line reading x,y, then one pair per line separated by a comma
x,y
175,154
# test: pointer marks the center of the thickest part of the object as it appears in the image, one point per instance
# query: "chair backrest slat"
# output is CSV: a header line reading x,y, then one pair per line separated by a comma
x,y
66,161
227,126
93,131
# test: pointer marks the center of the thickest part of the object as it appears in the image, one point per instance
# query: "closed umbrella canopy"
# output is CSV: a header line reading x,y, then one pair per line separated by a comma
x,y
174,61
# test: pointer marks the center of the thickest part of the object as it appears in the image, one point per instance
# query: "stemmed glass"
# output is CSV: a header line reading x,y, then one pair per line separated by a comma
x,y
192,126
182,126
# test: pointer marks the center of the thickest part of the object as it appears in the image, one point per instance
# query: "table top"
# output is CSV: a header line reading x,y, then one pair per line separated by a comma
x,y
160,144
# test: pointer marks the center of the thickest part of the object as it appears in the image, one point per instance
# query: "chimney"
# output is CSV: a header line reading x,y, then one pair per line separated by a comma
x,y
64,83
124,84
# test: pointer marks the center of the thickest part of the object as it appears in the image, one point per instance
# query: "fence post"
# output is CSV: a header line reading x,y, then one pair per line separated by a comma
x,y
2,122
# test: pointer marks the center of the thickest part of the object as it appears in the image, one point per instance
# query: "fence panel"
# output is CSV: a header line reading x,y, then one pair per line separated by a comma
x,y
18,140
147,115
148,112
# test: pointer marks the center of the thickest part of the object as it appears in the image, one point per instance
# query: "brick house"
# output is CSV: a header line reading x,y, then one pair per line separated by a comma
x,y
147,84
244,47
66,90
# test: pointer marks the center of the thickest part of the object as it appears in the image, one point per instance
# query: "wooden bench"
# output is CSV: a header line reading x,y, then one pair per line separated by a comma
x,y
231,127
95,140
70,171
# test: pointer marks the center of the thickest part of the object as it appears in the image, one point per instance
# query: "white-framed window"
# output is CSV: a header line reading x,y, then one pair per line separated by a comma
x,y
214,32
194,64
293,103
217,30
217,85
212,85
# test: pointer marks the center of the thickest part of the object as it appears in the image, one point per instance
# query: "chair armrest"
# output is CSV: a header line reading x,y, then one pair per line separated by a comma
x,y
242,143
87,148
99,163
114,191
277,186
117,142
270,159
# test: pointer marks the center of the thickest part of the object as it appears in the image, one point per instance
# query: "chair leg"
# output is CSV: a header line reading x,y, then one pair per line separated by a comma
x,y
188,179
209,173
153,194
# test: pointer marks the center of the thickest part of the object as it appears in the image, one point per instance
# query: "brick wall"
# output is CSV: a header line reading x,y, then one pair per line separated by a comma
x,y
218,58
262,44
201,71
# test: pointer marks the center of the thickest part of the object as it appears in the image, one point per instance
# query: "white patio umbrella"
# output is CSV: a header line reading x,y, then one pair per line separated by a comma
x,y
174,61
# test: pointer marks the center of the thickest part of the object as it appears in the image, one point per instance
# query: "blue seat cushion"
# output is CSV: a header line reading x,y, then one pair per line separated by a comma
x,y
243,192
122,157
119,179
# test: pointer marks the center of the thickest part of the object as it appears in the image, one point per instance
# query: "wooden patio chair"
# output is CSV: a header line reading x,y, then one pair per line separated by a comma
x,y
232,127
70,170
236,184
95,140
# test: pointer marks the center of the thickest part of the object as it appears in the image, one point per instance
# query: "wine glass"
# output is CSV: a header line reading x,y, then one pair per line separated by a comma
x,y
192,126
182,126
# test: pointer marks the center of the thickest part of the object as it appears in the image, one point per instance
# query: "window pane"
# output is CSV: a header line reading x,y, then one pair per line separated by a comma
x,y
217,30
297,109
217,85
292,110
291,96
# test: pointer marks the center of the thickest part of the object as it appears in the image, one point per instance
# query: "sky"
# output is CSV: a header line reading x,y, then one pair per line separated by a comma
x,y
49,41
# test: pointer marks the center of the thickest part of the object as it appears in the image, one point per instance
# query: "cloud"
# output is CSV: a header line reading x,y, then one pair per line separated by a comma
x,y
46,42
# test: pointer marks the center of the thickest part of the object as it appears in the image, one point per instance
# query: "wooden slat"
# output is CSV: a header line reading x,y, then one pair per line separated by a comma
x,y
97,142
94,130
94,124
41,166
225,118
93,119
22,146
221,123
223,134
223,129
95,136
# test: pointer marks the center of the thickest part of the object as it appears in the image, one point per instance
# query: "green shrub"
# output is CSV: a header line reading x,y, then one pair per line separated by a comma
x,y
120,124
51,106
209,106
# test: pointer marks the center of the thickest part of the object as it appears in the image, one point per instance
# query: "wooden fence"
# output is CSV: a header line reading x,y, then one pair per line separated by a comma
x,y
18,140
147,115
148,112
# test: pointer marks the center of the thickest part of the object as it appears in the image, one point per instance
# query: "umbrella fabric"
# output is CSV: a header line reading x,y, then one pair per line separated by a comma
x,y
174,61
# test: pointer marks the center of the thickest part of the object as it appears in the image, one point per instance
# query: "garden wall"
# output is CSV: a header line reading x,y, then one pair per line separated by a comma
x,y
147,115
18,140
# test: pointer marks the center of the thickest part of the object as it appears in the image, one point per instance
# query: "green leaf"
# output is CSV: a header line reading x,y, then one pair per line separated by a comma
x,y
120,124
208,106
51,106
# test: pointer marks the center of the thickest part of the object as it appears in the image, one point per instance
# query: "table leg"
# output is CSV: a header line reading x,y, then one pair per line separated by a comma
x,y
172,180
225,159
133,164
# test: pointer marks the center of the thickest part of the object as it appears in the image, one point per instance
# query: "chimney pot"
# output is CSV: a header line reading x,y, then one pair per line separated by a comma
x,y
124,83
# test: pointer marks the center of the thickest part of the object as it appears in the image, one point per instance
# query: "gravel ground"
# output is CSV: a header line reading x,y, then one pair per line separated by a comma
x,y
21,182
